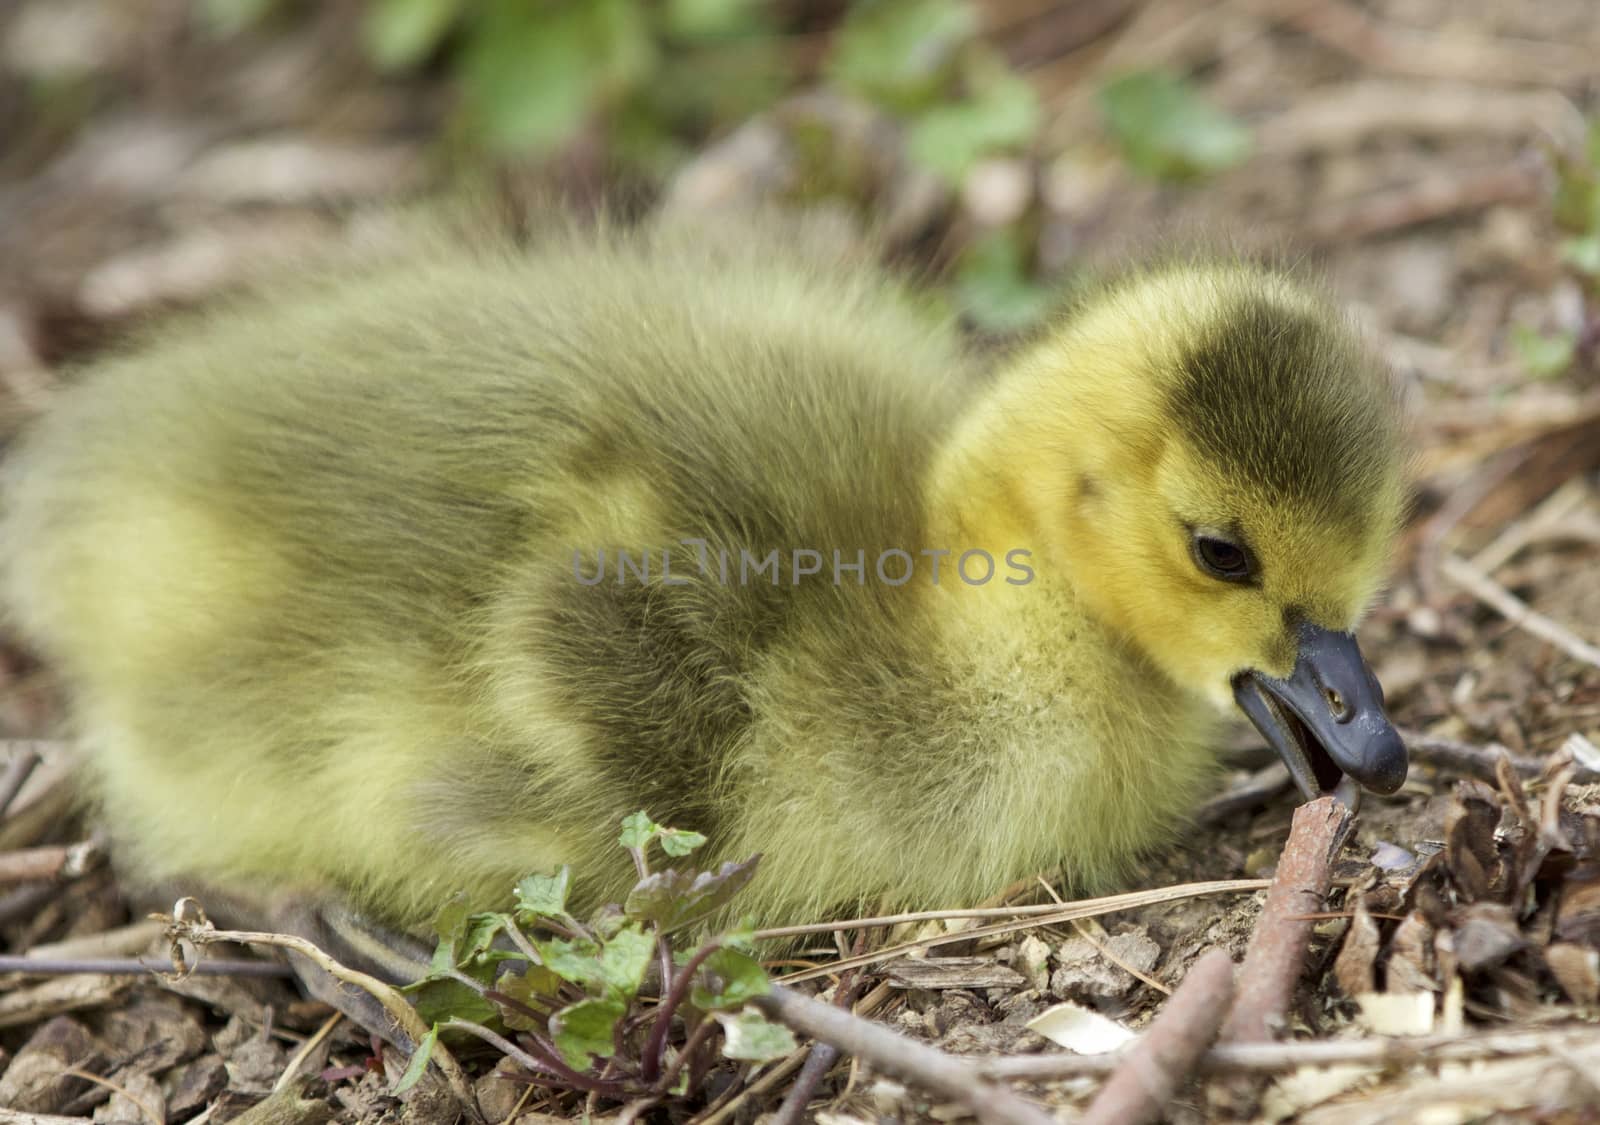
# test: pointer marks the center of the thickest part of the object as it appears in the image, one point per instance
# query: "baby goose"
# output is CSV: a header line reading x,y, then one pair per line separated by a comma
x,y
421,579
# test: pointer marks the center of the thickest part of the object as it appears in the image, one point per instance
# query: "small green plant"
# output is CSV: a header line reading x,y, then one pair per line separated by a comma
x,y
531,75
563,995
1167,131
922,61
1576,210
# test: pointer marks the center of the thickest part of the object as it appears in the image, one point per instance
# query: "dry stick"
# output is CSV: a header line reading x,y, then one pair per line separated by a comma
x,y
924,1066
18,770
53,861
1150,1071
1482,761
1034,916
818,1062
1428,200
1515,610
1272,1058
200,932
1276,955
130,966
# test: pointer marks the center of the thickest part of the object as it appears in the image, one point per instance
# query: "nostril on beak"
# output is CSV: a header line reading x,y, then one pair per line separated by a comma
x,y
1336,706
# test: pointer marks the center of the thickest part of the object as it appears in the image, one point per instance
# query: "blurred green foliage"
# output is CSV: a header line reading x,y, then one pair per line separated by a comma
x,y
654,79
1167,131
1576,210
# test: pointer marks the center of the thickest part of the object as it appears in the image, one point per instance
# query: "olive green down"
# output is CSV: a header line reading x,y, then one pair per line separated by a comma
x,y
315,567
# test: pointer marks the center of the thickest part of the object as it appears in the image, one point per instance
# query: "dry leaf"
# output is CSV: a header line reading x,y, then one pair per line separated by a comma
x,y
1081,1029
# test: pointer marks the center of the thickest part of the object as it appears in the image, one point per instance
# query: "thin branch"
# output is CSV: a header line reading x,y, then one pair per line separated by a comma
x,y
130,966
201,932
1271,1058
924,1066
1275,958
115,1088
1152,1069
1482,761
818,1062
1517,611
1104,950
1032,917
23,761
304,1052
52,861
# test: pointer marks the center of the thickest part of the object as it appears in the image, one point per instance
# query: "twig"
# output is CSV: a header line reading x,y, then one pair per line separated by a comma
x,y
1566,499
1104,950
200,932
304,1052
115,1088
1276,956
1517,611
1262,786
1151,1070
720,1114
1427,200
21,766
818,1062
1032,917
1482,761
53,861
1269,1058
931,1069
130,966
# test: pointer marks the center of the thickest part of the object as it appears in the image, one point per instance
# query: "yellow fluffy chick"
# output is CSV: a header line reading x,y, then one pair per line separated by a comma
x,y
420,578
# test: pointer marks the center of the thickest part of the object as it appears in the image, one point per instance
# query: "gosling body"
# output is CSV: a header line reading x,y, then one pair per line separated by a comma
x,y
421,579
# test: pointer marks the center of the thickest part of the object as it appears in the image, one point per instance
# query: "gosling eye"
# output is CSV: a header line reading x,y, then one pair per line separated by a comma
x,y
1222,558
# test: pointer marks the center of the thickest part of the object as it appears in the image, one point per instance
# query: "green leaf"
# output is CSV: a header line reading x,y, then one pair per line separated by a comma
x,y
229,17
577,961
729,979
402,33
586,1028
678,843
624,960
994,288
418,1065
437,1000
478,940
531,987
1583,254
950,139
533,73
606,921
1167,131
1545,356
752,1037
450,923
638,830
544,896
711,19
671,899
900,53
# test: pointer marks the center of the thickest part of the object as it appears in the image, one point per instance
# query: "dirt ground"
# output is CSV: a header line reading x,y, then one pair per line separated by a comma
x,y
1411,148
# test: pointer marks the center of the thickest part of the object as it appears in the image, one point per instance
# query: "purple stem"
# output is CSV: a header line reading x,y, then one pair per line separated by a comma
x,y
655,1047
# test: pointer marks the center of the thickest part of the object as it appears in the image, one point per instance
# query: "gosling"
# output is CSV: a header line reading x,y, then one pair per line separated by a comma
x,y
419,578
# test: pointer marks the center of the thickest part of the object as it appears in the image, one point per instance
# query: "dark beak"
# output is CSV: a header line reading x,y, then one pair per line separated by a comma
x,y
1327,719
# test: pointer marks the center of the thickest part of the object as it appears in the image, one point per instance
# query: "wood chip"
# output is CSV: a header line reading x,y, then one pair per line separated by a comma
x,y
953,972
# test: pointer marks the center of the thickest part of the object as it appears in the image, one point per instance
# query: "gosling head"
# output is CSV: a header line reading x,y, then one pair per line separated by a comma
x,y
1215,459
